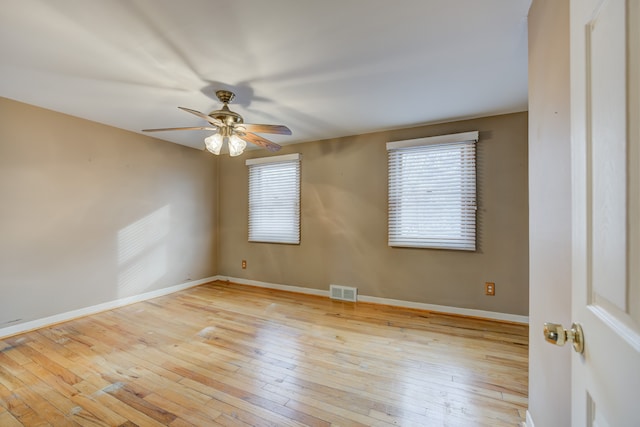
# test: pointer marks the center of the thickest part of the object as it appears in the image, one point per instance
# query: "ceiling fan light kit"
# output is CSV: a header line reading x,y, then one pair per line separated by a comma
x,y
229,125
213,143
236,145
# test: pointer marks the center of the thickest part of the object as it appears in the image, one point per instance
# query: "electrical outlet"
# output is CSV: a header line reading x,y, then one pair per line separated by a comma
x,y
244,264
489,288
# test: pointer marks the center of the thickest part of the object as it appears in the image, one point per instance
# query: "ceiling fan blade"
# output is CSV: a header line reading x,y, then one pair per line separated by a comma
x,y
258,140
187,128
278,129
211,120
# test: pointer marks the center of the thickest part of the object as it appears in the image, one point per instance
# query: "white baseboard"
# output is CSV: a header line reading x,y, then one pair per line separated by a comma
x,y
63,317
387,301
256,283
529,420
493,315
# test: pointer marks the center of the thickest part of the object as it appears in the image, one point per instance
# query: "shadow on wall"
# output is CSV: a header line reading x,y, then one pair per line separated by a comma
x,y
142,252
347,234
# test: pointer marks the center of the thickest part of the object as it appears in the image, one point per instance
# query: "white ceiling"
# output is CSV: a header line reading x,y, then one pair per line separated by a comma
x,y
324,68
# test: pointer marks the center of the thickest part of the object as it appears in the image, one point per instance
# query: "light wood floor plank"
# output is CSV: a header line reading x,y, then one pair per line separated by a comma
x,y
8,420
232,355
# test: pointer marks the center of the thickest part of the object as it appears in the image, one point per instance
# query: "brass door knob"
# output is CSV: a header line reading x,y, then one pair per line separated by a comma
x,y
558,335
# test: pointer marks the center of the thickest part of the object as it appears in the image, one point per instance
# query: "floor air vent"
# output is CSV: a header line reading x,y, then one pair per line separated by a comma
x,y
344,293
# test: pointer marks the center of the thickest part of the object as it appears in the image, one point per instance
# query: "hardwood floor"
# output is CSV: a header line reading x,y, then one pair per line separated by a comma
x,y
226,354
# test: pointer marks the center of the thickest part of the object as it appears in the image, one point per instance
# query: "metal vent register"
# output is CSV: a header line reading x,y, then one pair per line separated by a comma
x,y
344,293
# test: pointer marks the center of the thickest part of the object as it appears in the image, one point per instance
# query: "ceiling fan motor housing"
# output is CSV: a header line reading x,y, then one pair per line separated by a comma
x,y
225,115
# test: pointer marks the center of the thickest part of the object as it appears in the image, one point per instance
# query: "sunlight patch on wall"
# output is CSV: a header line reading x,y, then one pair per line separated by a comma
x,y
141,274
142,252
136,238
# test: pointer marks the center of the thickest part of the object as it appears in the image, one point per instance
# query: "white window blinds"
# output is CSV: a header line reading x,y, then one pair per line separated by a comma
x,y
432,192
274,199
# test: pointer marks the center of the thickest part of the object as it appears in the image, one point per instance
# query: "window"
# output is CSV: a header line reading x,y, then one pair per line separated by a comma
x,y
274,199
432,192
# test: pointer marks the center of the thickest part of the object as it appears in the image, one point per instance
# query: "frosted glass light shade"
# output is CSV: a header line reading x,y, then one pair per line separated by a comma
x,y
213,143
236,145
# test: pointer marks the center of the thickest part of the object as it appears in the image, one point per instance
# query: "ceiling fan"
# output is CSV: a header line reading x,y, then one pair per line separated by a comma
x,y
229,125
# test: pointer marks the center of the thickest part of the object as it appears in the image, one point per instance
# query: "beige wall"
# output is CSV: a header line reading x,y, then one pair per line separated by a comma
x,y
344,223
90,213
549,210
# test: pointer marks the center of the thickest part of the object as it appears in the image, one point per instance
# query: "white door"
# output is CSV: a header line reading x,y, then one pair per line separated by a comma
x,y
605,132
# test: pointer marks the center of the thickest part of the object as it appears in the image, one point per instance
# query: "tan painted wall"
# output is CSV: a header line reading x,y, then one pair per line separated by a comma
x,y
344,223
549,209
90,213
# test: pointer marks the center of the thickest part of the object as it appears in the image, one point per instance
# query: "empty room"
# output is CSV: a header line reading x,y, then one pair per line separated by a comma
x,y
289,213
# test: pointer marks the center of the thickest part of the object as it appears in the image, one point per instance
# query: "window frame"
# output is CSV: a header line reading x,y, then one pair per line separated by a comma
x,y
410,227
261,219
